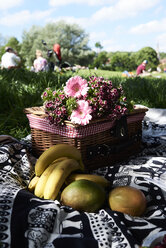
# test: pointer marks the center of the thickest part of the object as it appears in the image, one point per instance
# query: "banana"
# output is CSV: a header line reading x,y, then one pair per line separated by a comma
x,y
54,152
39,189
95,178
33,183
58,177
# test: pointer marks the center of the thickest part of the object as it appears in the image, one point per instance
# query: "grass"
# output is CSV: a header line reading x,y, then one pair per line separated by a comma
x,y
20,89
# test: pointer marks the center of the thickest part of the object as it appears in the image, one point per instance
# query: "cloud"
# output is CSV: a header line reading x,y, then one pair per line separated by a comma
x,y
83,22
149,27
107,44
111,45
23,17
56,3
8,4
118,10
123,9
97,35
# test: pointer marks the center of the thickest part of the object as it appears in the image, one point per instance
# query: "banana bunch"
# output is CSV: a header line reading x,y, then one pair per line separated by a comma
x,y
54,169
54,152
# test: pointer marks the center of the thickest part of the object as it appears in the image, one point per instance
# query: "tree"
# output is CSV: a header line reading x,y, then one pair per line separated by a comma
x,y
162,55
121,61
147,53
31,42
100,60
14,43
72,39
98,46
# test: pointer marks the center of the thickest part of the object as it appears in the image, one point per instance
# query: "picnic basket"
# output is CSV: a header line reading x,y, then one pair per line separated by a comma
x,y
102,142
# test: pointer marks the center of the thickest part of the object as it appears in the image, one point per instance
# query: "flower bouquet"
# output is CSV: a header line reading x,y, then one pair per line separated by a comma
x,y
81,101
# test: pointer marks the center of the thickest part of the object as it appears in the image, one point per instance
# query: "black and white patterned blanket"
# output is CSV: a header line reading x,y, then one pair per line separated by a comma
x,y
28,221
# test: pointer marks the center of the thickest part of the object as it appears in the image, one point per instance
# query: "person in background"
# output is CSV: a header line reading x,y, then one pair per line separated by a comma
x,y
40,63
141,68
57,51
10,59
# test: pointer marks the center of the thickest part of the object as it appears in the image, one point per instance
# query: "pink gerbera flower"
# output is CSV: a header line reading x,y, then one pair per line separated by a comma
x,y
81,115
76,87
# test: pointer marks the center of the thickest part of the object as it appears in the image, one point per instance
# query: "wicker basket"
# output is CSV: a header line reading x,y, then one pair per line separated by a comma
x,y
101,142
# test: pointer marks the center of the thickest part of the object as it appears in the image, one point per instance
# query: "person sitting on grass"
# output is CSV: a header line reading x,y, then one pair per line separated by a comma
x,y
40,63
10,59
141,68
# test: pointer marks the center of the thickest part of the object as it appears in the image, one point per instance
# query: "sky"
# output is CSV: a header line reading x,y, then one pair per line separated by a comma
x,y
119,25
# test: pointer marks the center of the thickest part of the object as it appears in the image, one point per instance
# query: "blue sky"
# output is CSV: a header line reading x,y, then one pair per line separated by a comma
x,y
119,25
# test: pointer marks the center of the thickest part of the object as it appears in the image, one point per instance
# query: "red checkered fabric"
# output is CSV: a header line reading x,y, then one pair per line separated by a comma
x,y
68,131
76,132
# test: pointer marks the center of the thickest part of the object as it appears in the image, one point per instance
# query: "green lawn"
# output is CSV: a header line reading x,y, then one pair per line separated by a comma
x,y
109,74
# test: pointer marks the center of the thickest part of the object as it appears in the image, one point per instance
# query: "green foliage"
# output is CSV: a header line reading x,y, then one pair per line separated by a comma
x,y
98,45
14,43
122,61
30,42
162,55
147,53
100,60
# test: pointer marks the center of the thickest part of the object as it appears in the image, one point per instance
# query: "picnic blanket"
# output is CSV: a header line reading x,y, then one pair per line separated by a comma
x,y
29,221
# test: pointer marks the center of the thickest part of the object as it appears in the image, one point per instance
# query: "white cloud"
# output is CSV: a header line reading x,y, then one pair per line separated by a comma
x,y
8,4
89,2
123,9
149,27
23,17
97,35
111,45
107,44
83,22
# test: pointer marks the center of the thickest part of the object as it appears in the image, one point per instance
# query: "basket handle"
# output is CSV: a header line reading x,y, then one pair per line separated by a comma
x,y
120,129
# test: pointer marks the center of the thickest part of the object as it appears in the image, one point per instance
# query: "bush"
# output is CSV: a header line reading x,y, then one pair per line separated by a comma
x,y
147,53
122,61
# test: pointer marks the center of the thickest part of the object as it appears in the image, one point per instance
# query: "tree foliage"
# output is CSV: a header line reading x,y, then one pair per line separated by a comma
x,y
162,55
100,60
74,48
147,53
121,61
98,46
72,39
